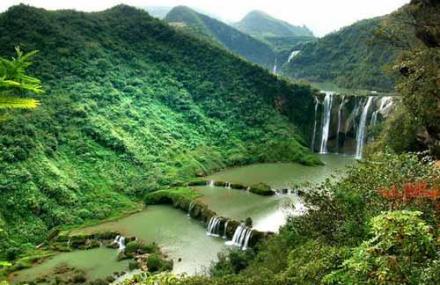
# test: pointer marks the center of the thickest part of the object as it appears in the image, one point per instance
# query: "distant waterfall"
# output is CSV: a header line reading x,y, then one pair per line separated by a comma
x,y
225,229
315,124
210,183
214,227
227,185
274,69
385,103
326,116
190,207
339,122
292,55
361,132
241,237
120,241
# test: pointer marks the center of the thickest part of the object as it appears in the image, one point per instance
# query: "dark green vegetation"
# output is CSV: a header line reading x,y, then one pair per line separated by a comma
x,y
353,57
228,37
130,107
281,35
379,224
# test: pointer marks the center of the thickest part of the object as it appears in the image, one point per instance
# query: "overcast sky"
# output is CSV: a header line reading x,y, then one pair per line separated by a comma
x,y
321,16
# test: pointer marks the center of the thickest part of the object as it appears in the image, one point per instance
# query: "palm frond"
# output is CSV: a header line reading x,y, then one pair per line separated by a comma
x,y
13,102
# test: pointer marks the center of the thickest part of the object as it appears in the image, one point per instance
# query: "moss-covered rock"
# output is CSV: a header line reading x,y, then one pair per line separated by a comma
x,y
262,189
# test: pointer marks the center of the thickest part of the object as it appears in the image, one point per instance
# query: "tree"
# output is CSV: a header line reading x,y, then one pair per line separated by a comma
x,y
401,247
15,83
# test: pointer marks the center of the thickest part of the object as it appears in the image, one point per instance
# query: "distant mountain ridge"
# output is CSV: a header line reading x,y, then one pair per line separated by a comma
x,y
230,38
353,57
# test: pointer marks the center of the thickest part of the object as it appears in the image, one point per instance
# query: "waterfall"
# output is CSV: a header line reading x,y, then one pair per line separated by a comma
x,y
314,126
120,241
227,185
292,55
274,70
190,207
385,103
225,229
241,237
214,226
248,189
326,116
210,183
339,121
361,132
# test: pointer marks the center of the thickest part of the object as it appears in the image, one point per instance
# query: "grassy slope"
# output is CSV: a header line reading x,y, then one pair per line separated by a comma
x,y
227,36
131,106
351,57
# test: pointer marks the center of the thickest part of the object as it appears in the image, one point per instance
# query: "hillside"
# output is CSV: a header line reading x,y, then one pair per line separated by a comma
x,y
227,36
352,58
130,107
279,34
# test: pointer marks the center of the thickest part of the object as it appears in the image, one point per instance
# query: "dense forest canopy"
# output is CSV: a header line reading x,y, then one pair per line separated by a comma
x,y
130,107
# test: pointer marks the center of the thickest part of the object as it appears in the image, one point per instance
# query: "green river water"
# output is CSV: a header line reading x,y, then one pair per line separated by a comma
x,y
183,238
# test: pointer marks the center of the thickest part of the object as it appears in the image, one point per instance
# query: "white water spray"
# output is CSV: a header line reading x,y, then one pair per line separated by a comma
x,y
241,237
120,241
326,116
214,226
361,132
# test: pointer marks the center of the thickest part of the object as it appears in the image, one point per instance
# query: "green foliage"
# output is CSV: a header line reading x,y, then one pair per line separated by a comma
x,y
351,58
127,112
14,82
396,254
262,189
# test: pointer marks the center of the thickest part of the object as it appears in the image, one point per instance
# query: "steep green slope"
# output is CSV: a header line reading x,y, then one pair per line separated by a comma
x,y
279,34
130,107
227,36
351,58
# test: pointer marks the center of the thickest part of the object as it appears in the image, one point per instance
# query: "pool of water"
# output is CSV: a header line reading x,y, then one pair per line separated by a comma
x,y
97,263
184,239
178,236
279,175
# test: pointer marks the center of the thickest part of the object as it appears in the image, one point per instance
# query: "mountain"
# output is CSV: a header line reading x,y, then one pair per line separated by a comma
x,y
227,36
130,107
280,34
354,57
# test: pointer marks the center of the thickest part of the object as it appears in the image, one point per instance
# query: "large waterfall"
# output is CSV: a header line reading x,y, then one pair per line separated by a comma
x,y
315,124
361,131
342,124
339,122
241,237
326,116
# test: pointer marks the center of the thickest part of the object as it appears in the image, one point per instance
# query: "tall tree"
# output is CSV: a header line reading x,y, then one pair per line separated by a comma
x,y
15,84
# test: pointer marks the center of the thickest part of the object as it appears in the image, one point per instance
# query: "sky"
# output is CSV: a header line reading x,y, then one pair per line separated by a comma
x,y
321,16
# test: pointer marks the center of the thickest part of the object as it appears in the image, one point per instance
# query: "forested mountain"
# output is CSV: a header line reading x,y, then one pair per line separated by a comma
x,y
353,57
280,34
130,107
230,38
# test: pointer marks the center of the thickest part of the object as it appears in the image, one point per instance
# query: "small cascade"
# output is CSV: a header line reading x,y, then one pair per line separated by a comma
x,y
315,124
214,227
326,116
210,183
361,132
339,121
385,103
241,237
292,55
190,207
228,185
248,189
120,241
225,230
274,69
